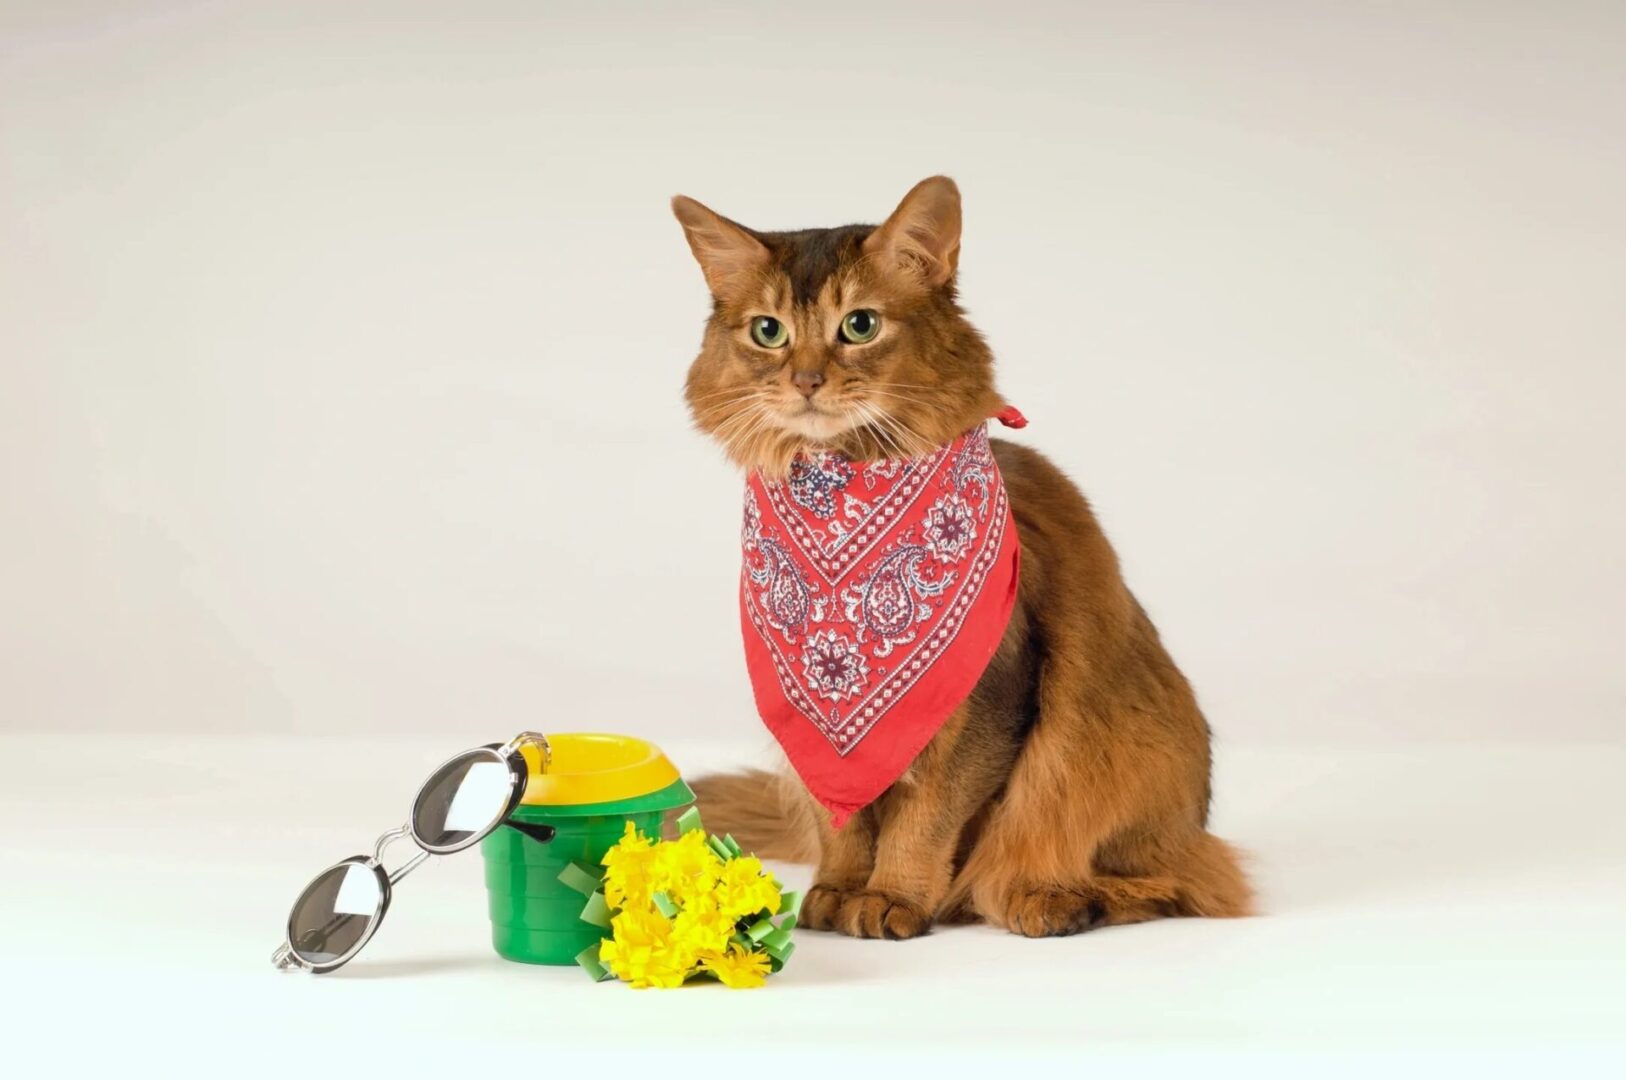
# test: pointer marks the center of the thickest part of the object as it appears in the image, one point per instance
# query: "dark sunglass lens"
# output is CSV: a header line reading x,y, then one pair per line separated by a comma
x,y
464,800
334,913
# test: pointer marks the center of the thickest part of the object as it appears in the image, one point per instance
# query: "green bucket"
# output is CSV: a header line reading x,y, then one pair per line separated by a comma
x,y
535,917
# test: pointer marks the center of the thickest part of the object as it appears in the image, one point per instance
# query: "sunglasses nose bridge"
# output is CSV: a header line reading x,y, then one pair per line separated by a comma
x,y
398,833
389,838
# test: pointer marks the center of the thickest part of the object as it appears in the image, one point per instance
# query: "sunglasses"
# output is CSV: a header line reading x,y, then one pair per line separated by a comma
x,y
462,802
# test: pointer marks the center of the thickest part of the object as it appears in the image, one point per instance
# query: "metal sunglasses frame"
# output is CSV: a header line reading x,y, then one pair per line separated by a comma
x,y
287,957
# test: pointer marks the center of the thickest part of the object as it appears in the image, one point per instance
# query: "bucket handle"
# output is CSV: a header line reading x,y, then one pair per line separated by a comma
x,y
542,834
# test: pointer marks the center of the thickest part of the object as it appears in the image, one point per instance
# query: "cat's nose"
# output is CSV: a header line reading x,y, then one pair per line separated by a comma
x,y
808,382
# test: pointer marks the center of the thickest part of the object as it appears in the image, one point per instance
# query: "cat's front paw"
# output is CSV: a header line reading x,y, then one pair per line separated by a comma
x,y
821,907
867,914
1053,912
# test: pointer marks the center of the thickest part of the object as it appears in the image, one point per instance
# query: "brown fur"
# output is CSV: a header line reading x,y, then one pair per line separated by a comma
x,y
1071,789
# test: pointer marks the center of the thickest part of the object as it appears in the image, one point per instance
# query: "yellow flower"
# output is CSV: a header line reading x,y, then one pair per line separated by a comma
x,y
640,927
708,897
685,867
664,972
702,927
641,951
628,868
644,967
739,968
745,889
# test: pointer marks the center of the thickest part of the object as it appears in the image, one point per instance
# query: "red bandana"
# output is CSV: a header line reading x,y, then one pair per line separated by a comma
x,y
873,596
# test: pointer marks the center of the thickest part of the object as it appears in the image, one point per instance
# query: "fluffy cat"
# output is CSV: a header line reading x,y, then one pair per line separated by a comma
x,y
1071,789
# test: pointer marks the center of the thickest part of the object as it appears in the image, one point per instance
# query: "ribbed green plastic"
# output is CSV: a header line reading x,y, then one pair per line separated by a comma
x,y
535,917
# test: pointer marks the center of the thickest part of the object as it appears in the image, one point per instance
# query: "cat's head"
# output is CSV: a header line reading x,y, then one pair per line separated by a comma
x,y
845,339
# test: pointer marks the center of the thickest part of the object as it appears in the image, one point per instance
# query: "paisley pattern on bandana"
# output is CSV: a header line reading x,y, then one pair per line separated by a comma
x,y
814,482
859,577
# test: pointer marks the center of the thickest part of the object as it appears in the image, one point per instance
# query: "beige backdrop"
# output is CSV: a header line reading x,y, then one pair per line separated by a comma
x,y
342,343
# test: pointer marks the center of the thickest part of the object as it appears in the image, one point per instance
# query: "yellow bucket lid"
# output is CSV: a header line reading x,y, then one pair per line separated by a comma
x,y
595,768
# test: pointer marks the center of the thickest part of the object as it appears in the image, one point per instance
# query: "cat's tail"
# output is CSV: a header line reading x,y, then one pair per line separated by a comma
x,y
766,813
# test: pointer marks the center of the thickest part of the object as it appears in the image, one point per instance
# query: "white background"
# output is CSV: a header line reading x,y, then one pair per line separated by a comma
x,y
343,345
340,355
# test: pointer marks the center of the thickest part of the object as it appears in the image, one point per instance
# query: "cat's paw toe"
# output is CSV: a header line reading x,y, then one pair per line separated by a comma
x,y
821,907
877,915
1053,912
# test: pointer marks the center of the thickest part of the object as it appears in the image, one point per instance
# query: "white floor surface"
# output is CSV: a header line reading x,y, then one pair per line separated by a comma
x,y
1427,909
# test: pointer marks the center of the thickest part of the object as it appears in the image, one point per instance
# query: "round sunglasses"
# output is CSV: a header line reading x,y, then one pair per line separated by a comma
x,y
462,802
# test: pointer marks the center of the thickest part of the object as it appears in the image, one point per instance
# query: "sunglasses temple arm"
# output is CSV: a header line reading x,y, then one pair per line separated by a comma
x,y
536,739
410,865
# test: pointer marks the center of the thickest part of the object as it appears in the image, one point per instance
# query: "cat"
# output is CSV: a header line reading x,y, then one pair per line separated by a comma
x,y
1071,789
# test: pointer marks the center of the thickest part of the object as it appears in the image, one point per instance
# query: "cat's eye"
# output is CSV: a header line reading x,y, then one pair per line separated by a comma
x,y
860,326
769,332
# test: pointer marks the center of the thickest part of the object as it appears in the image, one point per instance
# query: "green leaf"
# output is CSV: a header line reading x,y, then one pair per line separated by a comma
x,y
689,821
597,911
580,878
590,963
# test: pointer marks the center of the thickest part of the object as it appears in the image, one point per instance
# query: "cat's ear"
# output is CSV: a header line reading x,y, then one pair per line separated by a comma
x,y
922,237
723,249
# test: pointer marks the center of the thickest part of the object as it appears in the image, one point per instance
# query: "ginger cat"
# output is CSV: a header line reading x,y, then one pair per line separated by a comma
x,y
1071,789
